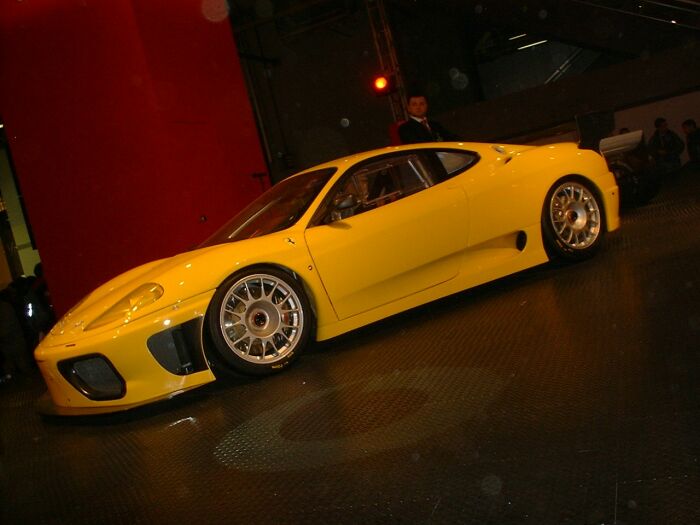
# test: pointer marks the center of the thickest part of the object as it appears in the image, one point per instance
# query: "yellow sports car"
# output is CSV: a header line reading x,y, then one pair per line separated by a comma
x,y
328,250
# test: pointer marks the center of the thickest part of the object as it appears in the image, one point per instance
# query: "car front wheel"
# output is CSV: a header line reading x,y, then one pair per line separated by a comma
x,y
259,321
572,220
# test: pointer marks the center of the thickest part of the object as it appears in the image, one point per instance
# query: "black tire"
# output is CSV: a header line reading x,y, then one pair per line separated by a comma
x,y
573,219
258,322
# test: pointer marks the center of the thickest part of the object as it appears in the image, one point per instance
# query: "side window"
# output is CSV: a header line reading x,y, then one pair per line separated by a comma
x,y
454,162
379,183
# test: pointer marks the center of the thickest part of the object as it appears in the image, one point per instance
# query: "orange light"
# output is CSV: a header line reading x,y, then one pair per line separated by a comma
x,y
381,83
384,84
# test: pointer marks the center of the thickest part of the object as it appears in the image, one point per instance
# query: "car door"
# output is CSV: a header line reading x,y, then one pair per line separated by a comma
x,y
403,233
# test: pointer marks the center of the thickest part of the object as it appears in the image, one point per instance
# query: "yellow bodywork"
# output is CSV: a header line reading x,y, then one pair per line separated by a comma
x,y
452,236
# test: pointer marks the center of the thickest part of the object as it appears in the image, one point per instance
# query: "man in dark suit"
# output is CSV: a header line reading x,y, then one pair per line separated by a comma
x,y
418,128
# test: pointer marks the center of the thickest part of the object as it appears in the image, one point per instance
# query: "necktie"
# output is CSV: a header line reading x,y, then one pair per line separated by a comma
x,y
424,121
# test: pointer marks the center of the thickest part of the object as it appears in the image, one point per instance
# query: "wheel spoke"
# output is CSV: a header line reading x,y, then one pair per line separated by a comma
x,y
271,343
233,312
274,287
283,340
240,298
243,342
287,324
235,329
274,351
284,297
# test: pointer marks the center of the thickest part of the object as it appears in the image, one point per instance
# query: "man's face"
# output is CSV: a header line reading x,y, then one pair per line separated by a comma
x,y
417,107
687,128
663,127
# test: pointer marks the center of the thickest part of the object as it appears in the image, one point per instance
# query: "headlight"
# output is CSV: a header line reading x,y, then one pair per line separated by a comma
x,y
129,306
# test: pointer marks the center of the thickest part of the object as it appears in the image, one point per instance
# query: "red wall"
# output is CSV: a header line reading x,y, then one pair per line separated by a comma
x,y
127,121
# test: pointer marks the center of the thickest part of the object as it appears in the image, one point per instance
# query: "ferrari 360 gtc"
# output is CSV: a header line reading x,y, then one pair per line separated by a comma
x,y
325,251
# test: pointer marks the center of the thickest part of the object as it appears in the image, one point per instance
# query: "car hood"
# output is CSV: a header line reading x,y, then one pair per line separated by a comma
x,y
173,274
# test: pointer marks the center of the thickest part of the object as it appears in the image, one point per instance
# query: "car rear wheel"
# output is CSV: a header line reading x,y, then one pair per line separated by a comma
x,y
572,220
259,321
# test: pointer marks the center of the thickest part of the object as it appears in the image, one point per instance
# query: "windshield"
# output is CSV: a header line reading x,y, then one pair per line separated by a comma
x,y
276,209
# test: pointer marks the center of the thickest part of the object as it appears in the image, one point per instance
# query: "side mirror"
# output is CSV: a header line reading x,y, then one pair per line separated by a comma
x,y
344,205
344,201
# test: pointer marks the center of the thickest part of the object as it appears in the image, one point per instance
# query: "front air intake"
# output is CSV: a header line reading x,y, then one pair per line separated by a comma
x,y
94,377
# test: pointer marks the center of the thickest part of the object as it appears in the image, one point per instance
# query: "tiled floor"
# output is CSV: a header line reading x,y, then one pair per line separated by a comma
x,y
565,394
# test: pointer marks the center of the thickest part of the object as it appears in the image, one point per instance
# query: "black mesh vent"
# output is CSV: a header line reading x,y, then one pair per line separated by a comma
x,y
94,376
179,349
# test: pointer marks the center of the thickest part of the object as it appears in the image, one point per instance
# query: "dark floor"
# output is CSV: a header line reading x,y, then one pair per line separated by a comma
x,y
564,394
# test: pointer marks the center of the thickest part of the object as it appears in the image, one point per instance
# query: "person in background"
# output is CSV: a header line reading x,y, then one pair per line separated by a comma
x,y
665,147
692,140
26,316
38,292
418,128
14,356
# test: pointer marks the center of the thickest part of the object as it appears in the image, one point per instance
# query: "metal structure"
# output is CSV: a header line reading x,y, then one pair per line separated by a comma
x,y
678,13
389,64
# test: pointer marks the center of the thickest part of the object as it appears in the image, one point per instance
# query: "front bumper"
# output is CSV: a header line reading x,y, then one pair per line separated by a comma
x,y
127,366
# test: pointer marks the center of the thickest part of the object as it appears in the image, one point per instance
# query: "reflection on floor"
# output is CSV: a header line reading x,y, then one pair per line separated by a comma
x,y
564,394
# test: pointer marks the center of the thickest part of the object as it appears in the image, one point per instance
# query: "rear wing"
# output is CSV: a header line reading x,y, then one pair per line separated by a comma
x,y
618,145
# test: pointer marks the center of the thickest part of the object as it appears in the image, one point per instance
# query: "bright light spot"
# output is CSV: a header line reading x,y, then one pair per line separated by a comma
x,y
167,322
532,45
517,36
183,420
380,83
30,310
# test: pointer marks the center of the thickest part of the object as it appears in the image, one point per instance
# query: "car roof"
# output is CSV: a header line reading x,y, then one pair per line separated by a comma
x,y
364,155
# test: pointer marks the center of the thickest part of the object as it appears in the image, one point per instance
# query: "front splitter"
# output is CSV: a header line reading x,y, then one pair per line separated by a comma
x,y
45,406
